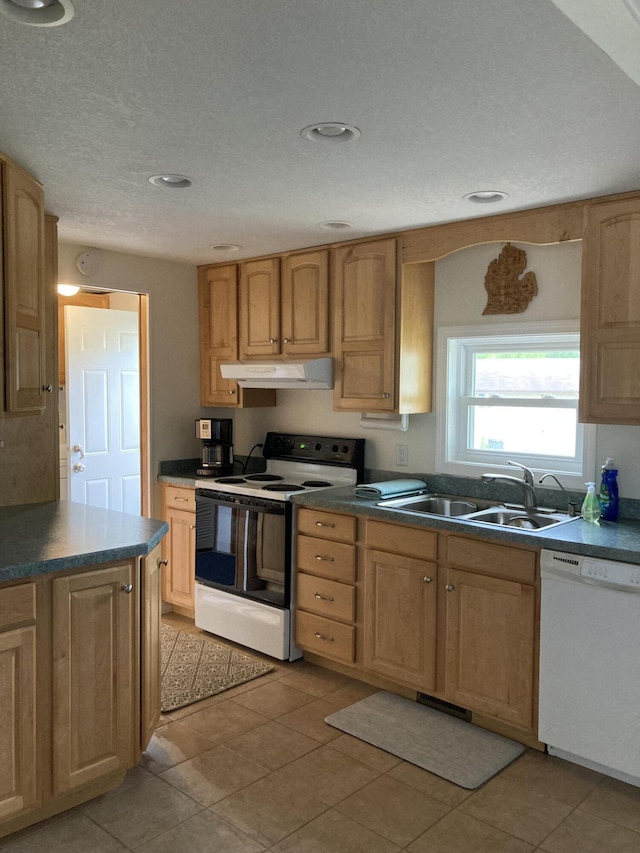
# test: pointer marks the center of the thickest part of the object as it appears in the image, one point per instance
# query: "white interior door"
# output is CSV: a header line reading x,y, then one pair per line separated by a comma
x,y
103,399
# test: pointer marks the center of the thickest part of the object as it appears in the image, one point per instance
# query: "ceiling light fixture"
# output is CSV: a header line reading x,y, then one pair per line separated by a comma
x,y
167,181
38,13
331,132
486,196
335,225
68,289
226,247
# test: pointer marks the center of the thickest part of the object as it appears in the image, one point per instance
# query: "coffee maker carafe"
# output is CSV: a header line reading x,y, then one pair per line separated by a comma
x,y
217,446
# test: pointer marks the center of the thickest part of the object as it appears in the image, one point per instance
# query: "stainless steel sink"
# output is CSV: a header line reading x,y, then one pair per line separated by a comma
x,y
525,519
432,505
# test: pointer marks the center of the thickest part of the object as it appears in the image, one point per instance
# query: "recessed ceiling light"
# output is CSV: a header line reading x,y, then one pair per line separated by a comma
x,y
331,132
335,224
174,182
68,289
226,247
38,13
486,196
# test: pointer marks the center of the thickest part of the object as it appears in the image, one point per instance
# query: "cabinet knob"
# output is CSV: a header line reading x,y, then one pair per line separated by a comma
x,y
287,340
427,579
449,587
127,587
325,558
385,395
192,527
164,562
273,340
232,391
47,388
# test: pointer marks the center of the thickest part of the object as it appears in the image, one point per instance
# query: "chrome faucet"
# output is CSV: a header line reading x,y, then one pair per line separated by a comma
x,y
527,488
527,473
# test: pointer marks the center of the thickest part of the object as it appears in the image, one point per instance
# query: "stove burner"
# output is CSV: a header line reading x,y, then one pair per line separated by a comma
x,y
230,480
283,487
316,484
264,478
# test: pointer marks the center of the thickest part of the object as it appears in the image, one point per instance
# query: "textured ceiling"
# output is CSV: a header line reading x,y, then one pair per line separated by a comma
x,y
451,96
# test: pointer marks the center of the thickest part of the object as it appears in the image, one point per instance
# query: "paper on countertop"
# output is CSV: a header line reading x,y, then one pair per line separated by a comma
x,y
389,488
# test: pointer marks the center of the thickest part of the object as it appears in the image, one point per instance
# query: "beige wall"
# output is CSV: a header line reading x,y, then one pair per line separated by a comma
x,y
460,300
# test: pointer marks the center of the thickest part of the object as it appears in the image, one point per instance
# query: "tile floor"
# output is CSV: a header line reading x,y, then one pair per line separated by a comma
x,y
257,768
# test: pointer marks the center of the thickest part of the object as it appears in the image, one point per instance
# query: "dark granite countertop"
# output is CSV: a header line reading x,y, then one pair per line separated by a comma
x,y
609,540
52,537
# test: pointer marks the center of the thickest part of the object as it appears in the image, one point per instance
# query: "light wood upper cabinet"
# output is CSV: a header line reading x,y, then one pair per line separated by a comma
x,y
365,300
284,306
305,304
94,624
260,308
24,291
218,309
610,313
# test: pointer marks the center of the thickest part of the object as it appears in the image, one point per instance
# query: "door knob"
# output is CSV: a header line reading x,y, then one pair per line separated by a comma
x,y
78,467
77,448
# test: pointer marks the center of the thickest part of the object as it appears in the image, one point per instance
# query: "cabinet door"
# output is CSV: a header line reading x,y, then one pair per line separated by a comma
x,y
365,297
25,368
93,675
305,304
610,314
18,756
150,669
218,307
400,619
490,646
260,308
178,585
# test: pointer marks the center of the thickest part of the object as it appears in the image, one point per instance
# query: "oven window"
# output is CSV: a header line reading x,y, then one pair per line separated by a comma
x,y
243,550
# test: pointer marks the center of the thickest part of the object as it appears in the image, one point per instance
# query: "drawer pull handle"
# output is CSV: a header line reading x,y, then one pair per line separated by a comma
x,y
427,579
449,587
325,558
324,597
328,638
324,524
186,500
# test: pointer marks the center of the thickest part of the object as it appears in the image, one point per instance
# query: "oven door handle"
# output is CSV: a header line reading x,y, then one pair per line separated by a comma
x,y
247,504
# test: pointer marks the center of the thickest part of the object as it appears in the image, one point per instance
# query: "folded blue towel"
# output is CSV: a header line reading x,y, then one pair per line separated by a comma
x,y
389,488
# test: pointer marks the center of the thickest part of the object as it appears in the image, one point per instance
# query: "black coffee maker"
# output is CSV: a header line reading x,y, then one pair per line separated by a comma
x,y
216,435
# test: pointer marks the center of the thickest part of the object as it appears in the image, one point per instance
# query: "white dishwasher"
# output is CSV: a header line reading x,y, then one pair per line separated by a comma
x,y
589,707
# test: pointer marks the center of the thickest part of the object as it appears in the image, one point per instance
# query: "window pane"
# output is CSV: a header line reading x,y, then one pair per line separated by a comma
x,y
537,431
526,374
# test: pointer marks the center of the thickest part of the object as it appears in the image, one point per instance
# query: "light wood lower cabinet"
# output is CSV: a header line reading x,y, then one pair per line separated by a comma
x,y
179,547
79,684
19,781
489,643
94,621
400,618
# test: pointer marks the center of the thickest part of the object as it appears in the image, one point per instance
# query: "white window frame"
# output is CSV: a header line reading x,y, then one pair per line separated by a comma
x,y
452,454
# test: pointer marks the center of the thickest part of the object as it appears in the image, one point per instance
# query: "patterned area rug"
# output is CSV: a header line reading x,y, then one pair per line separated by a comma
x,y
196,667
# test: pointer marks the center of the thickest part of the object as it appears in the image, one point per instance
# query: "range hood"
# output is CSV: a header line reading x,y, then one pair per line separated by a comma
x,y
313,373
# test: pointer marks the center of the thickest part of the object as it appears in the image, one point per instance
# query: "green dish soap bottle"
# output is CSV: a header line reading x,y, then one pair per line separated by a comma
x,y
590,506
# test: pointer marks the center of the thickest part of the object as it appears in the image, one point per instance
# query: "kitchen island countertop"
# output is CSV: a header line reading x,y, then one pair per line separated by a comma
x,y
618,540
61,535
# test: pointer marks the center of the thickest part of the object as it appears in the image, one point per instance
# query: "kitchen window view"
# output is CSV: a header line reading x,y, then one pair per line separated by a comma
x,y
513,395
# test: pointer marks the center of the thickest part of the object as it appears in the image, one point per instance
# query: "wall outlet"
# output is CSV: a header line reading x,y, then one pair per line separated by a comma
x,y
402,454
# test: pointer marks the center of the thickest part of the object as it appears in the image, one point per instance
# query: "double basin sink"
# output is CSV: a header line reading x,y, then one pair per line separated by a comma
x,y
518,518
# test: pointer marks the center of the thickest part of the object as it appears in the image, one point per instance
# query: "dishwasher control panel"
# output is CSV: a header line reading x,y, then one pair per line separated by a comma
x,y
620,574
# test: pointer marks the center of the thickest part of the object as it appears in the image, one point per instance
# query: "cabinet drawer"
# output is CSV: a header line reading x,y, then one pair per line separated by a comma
x,y
502,561
335,560
410,541
325,637
326,598
179,498
328,525
17,605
